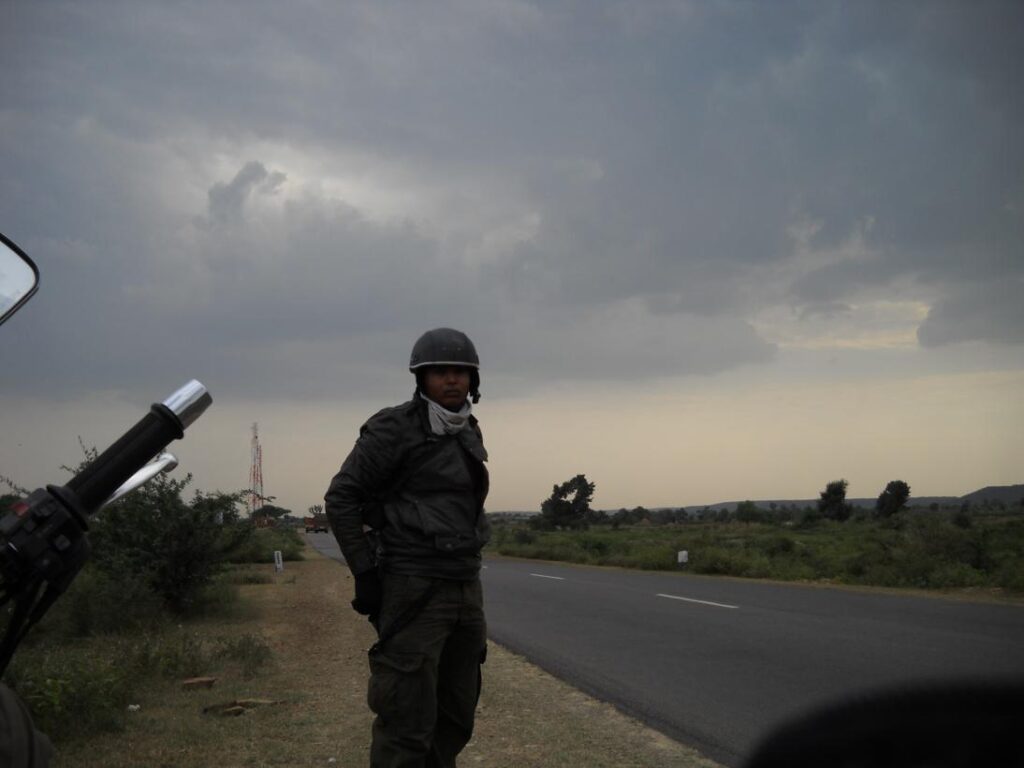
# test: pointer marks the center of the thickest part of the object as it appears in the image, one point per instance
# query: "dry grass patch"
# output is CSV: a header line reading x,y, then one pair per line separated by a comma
x,y
318,679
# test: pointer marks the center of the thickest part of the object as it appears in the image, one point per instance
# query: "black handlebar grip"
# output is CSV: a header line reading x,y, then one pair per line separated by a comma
x,y
94,484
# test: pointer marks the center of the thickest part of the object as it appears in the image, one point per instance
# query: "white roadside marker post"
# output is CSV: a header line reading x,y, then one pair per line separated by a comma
x,y
278,561
683,558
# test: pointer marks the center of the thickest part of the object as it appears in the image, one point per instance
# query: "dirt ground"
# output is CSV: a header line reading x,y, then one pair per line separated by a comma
x,y
318,681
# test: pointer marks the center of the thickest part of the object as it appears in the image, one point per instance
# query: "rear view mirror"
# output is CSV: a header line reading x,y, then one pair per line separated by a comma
x,y
19,278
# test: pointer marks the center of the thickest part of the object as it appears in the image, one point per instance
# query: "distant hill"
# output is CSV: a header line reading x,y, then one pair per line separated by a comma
x,y
1008,494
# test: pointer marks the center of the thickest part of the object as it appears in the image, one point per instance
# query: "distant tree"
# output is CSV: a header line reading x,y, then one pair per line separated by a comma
x,y
569,504
269,510
597,517
662,516
749,512
832,503
892,499
808,516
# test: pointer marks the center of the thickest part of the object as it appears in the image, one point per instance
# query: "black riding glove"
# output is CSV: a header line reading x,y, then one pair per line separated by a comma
x,y
368,594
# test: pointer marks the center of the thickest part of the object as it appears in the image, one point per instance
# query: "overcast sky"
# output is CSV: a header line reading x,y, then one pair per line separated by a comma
x,y
707,250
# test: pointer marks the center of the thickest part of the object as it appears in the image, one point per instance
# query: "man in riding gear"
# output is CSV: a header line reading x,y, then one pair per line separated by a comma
x,y
407,510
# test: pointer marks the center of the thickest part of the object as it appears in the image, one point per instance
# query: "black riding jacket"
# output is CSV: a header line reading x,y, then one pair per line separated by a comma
x,y
424,492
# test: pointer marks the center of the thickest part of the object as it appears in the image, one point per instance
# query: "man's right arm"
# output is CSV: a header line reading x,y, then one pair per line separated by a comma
x,y
362,477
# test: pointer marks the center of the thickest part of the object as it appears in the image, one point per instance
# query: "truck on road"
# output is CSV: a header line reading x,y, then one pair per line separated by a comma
x,y
316,524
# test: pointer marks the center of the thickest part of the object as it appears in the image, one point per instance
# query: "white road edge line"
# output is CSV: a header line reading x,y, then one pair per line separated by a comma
x,y
692,600
542,576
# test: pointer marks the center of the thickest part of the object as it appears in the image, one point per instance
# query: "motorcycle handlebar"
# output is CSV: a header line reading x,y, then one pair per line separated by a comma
x,y
165,421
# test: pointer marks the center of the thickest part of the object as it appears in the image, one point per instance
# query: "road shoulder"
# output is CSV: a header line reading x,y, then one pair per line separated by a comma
x,y
318,685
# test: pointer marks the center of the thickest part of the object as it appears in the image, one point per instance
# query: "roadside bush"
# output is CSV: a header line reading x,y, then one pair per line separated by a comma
x,y
649,558
716,561
909,549
792,570
261,544
593,545
97,603
71,691
1011,576
950,575
779,545
524,536
175,548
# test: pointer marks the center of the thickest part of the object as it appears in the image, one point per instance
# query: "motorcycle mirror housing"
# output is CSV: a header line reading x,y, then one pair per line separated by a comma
x,y
19,278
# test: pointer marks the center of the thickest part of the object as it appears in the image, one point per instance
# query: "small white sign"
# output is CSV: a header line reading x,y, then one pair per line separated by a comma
x,y
278,561
684,557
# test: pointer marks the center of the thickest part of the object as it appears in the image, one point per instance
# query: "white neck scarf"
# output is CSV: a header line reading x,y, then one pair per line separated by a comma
x,y
445,422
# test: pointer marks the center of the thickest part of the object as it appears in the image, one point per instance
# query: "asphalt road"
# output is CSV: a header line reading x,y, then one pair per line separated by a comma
x,y
716,663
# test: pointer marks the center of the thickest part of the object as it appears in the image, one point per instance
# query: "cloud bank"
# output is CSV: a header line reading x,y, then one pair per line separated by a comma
x,y
281,202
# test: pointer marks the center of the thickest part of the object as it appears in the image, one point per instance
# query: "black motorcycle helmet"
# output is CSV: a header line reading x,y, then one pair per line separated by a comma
x,y
446,346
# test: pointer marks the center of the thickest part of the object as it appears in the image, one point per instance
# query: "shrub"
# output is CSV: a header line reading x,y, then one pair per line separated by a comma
x,y
97,603
650,558
260,546
949,575
71,691
593,545
175,548
524,536
1011,576
779,545
717,561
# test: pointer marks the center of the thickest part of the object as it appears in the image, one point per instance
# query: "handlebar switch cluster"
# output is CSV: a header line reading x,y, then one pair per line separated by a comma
x,y
42,538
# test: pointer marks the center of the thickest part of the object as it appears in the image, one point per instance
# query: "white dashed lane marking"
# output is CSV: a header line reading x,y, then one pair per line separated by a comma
x,y
694,600
542,576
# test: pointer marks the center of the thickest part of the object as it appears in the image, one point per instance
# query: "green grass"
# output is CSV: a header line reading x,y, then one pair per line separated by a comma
x,y
76,689
104,641
916,549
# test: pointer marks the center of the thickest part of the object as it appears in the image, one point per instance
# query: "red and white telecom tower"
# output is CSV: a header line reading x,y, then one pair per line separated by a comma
x,y
255,500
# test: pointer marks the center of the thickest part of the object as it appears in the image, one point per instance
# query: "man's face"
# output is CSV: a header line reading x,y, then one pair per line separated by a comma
x,y
448,386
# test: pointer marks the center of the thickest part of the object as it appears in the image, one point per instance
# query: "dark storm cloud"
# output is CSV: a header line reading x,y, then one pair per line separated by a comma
x,y
226,200
662,153
977,311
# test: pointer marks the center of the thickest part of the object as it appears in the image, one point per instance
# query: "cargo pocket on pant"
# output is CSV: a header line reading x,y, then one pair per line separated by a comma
x,y
480,673
397,684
